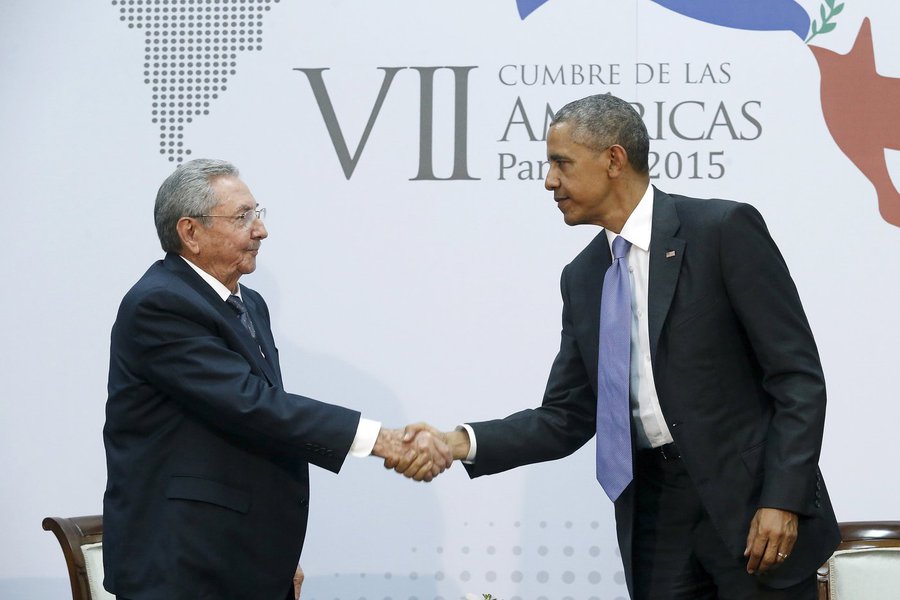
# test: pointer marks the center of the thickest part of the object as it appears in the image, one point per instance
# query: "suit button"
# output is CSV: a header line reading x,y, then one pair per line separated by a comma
x,y
818,504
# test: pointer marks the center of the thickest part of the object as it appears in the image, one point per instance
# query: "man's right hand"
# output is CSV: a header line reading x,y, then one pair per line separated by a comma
x,y
457,441
419,457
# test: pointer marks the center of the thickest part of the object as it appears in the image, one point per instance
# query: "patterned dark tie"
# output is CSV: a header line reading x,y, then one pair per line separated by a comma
x,y
238,305
614,471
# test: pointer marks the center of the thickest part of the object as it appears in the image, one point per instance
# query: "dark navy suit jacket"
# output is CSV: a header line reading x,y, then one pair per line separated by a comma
x,y
736,368
207,454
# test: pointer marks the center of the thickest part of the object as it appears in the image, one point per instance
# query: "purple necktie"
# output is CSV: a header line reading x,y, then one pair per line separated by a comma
x,y
613,374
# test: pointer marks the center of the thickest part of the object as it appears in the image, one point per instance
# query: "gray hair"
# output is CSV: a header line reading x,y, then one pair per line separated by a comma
x,y
603,120
187,193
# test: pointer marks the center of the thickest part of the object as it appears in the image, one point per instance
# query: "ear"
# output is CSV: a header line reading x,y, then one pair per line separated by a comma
x,y
189,232
618,160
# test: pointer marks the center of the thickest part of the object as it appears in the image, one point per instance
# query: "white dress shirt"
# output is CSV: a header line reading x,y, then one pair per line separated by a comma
x,y
651,429
366,431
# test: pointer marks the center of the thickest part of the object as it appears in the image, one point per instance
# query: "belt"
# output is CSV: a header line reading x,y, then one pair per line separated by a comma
x,y
666,452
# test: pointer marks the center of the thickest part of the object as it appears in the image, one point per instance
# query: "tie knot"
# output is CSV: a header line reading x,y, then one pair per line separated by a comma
x,y
620,247
237,304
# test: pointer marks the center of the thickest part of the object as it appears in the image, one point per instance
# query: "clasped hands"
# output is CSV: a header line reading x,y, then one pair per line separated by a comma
x,y
420,451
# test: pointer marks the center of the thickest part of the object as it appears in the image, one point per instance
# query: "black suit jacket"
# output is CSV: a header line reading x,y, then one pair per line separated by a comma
x,y
207,454
736,370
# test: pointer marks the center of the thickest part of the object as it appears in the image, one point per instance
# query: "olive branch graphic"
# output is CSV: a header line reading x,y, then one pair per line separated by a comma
x,y
827,24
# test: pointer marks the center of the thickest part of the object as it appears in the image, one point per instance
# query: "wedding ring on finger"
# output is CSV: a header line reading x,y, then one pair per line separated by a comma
x,y
782,556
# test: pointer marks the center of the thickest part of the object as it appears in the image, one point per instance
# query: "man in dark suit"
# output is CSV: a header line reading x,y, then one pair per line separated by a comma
x,y
720,496
207,454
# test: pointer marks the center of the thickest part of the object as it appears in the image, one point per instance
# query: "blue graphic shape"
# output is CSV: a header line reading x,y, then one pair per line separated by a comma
x,y
758,15
526,7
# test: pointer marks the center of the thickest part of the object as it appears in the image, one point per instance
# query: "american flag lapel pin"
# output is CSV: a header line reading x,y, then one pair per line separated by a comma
x,y
670,254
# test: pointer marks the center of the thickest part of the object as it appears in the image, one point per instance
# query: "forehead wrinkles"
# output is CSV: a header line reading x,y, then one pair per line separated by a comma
x,y
232,195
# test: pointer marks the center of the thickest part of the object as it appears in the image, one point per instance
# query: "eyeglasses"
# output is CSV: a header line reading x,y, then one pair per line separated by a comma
x,y
245,220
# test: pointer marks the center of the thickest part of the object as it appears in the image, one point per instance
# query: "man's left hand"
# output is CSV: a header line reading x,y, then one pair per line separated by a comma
x,y
773,533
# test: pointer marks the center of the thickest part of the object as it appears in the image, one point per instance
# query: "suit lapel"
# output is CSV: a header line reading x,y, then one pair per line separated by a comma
x,y
248,346
666,254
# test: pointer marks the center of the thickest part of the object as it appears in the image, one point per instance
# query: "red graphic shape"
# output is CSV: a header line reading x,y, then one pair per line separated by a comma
x,y
861,110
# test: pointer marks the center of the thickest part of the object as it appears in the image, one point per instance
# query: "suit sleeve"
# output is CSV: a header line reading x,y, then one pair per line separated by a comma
x,y
768,306
563,423
180,349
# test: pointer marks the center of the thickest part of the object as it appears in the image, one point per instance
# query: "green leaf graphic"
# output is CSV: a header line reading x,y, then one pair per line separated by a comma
x,y
827,15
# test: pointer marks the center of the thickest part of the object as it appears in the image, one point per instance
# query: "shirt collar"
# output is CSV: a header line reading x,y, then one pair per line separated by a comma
x,y
214,283
639,224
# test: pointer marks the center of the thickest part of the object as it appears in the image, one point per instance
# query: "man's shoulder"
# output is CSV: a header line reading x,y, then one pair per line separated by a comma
x,y
165,279
697,215
713,220
159,274
691,207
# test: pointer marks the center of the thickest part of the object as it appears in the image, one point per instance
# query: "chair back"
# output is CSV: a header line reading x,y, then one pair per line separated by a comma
x,y
866,564
81,540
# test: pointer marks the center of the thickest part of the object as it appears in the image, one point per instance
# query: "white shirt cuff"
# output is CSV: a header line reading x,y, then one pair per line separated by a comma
x,y
473,446
366,435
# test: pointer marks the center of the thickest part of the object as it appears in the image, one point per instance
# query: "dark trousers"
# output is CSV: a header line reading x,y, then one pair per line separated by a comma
x,y
290,594
677,552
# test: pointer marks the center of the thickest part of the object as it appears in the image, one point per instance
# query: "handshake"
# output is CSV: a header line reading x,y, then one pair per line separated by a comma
x,y
420,451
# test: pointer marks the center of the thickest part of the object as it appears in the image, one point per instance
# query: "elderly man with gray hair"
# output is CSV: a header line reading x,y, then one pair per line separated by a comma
x,y
207,454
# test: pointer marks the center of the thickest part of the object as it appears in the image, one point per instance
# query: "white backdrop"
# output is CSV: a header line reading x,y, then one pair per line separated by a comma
x,y
413,299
